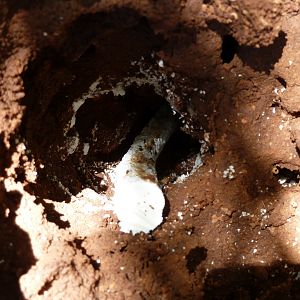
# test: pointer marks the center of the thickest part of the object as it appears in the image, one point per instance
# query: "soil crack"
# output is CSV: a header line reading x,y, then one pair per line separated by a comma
x,y
78,244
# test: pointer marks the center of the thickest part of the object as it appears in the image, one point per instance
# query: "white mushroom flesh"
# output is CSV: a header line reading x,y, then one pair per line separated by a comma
x,y
138,200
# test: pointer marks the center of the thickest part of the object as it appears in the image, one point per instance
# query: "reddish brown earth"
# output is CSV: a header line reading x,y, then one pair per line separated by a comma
x,y
230,70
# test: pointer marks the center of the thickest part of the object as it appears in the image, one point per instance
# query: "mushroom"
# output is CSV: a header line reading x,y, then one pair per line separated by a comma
x,y
138,200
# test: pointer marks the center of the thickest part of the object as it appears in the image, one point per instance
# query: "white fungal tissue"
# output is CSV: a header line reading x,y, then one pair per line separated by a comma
x,y
229,173
138,200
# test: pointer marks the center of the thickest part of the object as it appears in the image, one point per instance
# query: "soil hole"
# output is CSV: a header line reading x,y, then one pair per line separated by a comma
x,y
107,110
281,81
229,48
195,257
178,156
110,123
285,176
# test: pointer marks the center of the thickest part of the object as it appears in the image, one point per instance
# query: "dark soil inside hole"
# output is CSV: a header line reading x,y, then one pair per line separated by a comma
x,y
97,127
80,79
179,161
106,122
109,136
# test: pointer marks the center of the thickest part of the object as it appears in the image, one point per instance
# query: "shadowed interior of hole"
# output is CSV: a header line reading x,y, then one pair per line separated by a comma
x,y
286,176
174,156
281,81
100,120
195,257
229,48
60,76
106,124
110,123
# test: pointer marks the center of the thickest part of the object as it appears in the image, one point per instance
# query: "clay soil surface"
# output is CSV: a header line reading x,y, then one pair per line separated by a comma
x,y
79,79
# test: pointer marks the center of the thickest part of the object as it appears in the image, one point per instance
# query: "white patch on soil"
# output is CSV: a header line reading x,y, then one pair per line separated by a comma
x,y
229,173
76,105
86,148
198,163
161,63
118,90
72,144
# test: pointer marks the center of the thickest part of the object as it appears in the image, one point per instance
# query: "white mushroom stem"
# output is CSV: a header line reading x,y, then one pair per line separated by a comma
x,y
138,200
